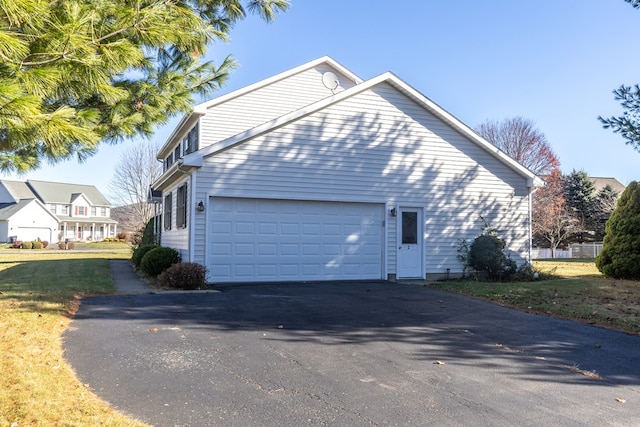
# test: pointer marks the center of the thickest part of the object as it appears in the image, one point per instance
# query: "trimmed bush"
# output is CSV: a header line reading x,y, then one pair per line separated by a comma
x,y
27,245
140,252
486,254
184,275
45,244
157,260
37,245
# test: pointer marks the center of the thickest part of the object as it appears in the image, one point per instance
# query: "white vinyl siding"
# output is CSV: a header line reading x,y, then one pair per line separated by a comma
x,y
380,147
33,222
265,104
176,236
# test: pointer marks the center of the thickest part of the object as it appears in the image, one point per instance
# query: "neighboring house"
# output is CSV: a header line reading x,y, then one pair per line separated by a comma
x,y
600,183
53,211
315,174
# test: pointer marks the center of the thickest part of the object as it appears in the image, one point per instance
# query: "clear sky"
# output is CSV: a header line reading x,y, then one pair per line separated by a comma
x,y
554,62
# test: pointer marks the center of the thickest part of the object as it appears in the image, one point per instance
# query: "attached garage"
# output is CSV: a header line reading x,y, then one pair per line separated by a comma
x,y
263,240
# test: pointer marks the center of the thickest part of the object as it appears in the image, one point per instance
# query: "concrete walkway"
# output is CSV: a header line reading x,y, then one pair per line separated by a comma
x,y
126,280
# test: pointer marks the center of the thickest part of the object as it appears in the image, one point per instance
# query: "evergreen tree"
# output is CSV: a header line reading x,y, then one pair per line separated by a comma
x,y
75,73
620,256
604,206
580,194
627,124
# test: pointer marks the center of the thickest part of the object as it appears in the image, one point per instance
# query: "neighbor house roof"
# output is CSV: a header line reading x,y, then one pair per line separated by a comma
x,y
7,210
601,183
195,159
58,192
19,190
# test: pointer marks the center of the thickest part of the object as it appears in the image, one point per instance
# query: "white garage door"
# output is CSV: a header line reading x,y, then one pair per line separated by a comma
x,y
285,240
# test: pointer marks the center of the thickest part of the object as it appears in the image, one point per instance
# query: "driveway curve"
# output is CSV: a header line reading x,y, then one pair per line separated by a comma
x,y
355,354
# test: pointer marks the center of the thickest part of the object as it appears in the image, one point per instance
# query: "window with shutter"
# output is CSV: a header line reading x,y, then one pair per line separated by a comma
x,y
167,212
181,207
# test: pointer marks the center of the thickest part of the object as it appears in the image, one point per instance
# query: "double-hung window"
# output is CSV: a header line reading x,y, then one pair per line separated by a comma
x,y
167,211
181,207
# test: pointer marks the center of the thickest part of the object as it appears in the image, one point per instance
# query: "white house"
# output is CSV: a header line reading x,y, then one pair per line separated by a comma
x,y
315,174
53,211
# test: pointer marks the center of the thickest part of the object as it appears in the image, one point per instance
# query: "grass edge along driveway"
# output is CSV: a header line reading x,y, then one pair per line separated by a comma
x,y
39,290
38,295
579,293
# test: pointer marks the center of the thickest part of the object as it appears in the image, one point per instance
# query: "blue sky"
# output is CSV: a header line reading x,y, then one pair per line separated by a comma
x,y
554,62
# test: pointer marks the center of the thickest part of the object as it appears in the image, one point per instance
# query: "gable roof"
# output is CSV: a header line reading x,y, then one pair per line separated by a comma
x,y
195,159
7,210
201,109
59,192
19,190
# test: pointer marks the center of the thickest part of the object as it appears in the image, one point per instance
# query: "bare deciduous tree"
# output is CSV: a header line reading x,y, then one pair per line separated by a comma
x,y
519,138
133,176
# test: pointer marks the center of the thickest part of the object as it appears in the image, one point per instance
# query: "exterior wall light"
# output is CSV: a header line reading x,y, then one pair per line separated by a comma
x,y
200,206
392,212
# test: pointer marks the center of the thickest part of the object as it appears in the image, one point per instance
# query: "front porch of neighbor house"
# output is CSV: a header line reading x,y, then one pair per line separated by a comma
x,y
88,231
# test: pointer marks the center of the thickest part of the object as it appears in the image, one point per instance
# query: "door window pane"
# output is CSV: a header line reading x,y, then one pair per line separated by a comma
x,y
409,228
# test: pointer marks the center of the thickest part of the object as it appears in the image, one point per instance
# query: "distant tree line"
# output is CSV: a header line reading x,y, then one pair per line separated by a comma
x,y
568,208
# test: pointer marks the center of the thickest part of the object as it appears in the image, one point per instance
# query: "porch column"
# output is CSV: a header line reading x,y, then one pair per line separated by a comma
x,y
93,232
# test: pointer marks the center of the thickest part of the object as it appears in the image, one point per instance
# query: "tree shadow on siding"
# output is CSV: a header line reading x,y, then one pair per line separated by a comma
x,y
399,154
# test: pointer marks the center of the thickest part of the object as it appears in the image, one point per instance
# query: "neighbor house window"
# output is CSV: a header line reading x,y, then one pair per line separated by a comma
x,y
167,212
93,211
103,211
81,210
52,209
181,206
177,154
65,209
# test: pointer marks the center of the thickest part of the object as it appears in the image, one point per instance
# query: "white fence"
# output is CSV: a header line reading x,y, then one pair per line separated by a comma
x,y
541,253
575,250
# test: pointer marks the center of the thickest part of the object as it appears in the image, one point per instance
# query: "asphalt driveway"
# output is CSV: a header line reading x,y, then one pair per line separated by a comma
x,y
349,354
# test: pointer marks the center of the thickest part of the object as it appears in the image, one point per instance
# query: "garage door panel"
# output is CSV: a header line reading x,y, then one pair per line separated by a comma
x,y
294,240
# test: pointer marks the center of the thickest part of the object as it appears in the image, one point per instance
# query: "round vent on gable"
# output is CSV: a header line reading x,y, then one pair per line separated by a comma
x,y
330,80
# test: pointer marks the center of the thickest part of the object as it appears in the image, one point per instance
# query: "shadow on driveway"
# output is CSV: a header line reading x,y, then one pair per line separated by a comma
x,y
349,354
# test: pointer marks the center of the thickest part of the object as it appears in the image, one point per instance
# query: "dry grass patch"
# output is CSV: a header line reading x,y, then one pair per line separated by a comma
x,y
581,294
37,293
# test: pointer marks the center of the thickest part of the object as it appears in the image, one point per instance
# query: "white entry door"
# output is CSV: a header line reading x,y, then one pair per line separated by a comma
x,y
410,243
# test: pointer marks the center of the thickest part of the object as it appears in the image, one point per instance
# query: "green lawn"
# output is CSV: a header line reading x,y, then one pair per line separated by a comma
x,y
38,294
580,293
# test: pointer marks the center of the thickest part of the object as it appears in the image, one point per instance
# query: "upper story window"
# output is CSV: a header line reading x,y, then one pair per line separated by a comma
x,y
52,209
103,211
93,211
65,210
177,154
168,161
81,210
191,142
